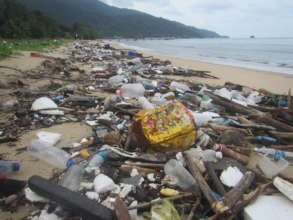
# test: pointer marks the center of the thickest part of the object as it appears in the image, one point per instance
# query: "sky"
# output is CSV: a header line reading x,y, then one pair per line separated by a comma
x,y
234,18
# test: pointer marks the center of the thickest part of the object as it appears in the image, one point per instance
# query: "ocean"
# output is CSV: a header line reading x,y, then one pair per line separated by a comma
x,y
269,54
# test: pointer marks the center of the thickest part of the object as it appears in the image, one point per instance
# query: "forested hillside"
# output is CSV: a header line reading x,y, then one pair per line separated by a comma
x,y
111,21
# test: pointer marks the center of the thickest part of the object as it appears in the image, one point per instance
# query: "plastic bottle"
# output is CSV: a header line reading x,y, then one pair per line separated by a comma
x,y
145,104
284,187
134,90
72,178
7,167
98,159
52,155
183,178
211,155
276,153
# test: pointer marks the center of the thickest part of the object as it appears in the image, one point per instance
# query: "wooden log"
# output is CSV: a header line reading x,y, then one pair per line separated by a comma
x,y
285,135
121,210
226,203
277,124
205,188
222,128
218,185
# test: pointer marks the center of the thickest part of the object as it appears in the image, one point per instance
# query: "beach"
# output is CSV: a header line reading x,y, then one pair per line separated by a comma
x,y
269,79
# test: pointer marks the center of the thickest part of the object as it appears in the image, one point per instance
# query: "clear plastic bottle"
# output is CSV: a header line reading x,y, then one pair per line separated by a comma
x,y
47,152
133,90
183,178
98,159
211,155
72,178
7,167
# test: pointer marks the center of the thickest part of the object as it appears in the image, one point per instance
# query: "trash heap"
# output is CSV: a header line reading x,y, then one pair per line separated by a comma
x,y
160,148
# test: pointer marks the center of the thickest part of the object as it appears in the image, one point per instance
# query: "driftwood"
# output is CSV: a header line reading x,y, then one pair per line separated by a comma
x,y
121,210
222,128
254,126
148,204
226,203
218,185
259,116
285,135
205,188
231,106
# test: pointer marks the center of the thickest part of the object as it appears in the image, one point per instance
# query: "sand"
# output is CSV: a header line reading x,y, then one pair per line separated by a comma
x,y
274,82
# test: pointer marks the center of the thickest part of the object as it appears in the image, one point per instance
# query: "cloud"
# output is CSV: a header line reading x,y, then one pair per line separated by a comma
x,y
230,17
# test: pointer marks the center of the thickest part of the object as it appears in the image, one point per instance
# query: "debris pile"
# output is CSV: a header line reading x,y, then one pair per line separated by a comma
x,y
159,149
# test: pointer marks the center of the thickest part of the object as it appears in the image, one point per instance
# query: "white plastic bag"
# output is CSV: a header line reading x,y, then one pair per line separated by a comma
x,y
46,103
49,137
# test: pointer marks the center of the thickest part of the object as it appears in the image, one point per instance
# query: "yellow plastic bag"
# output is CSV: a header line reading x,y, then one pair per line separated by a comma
x,y
167,127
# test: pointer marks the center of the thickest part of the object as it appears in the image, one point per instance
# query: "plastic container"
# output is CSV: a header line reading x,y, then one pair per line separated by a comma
x,y
183,178
7,167
145,104
134,90
52,155
72,178
284,187
272,168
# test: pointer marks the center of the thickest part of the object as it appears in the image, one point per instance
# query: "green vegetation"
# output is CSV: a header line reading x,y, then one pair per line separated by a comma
x,y
7,47
17,22
111,21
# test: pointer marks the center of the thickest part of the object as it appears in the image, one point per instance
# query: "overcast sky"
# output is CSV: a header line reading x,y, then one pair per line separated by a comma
x,y
235,18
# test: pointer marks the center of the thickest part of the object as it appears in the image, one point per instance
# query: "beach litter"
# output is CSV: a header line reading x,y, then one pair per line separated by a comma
x,y
159,148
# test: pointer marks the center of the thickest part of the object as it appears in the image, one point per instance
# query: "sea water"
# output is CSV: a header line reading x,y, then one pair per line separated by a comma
x,y
269,54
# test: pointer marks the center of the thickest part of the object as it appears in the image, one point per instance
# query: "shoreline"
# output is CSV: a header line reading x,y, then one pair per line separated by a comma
x,y
257,79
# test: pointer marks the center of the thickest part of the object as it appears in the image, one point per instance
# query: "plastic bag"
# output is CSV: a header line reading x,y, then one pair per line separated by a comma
x,y
167,127
164,211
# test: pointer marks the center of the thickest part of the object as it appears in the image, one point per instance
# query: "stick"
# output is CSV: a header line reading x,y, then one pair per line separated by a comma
x,y
219,186
148,204
226,203
289,99
285,135
205,188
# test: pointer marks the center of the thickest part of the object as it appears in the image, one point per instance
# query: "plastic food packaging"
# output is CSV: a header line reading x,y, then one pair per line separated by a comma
x,y
165,127
134,90
284,187
183,178
47,152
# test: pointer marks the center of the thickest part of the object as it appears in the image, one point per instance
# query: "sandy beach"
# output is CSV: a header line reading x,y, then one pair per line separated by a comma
x,y
274,82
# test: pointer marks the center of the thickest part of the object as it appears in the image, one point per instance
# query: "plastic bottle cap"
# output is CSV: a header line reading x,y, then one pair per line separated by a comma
x,y
15,166
219,155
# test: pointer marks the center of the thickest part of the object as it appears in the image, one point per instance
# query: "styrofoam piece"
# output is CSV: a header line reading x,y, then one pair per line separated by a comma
x,y
284,187
49,137
34,197
104,184
46,103
46,216
272,207
231,176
